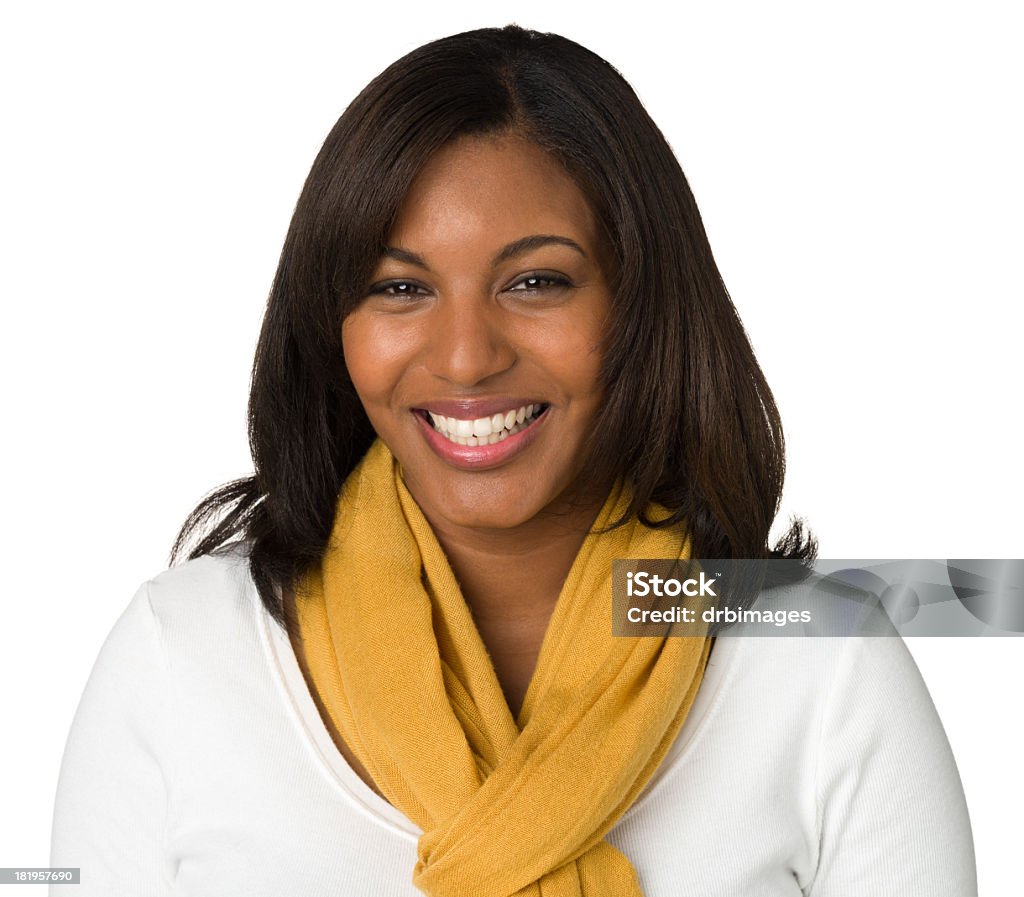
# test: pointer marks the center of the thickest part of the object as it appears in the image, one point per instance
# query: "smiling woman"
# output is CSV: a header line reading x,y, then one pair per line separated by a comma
x,y
497,356
476,354
501,308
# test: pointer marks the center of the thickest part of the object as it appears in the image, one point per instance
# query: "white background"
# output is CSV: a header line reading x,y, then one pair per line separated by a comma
x,y
859,174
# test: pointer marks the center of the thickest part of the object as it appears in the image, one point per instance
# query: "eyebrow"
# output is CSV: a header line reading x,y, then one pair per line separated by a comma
x,y
517,247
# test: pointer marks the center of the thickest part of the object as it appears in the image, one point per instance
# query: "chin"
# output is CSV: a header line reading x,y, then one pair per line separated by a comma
x,y
498,516
499,507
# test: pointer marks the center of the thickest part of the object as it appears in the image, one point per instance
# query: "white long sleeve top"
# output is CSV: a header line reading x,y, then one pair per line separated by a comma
x,y
197,764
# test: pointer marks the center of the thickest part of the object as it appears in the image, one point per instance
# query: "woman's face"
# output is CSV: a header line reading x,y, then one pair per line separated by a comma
x,y
477,347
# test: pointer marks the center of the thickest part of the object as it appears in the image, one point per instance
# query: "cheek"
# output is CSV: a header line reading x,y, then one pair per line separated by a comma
x,y
376,355
573,355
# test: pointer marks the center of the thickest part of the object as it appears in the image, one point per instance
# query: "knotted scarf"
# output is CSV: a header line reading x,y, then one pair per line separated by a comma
x,y
506,806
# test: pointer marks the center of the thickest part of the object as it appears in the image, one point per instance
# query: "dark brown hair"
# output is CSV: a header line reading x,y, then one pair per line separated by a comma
x,y
689,416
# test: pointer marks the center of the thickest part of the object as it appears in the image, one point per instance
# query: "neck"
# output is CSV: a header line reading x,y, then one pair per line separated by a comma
x,y
515,575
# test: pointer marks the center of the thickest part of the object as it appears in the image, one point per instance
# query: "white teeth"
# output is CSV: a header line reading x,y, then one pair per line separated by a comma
x,y
485,430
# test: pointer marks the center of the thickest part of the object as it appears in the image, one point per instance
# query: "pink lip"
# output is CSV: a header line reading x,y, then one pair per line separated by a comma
x,y
479,457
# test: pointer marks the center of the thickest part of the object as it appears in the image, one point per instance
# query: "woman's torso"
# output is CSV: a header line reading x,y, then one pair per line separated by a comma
x,y
794,755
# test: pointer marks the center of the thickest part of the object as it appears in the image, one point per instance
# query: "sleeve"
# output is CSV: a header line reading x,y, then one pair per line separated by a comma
x,y
892,817
111,802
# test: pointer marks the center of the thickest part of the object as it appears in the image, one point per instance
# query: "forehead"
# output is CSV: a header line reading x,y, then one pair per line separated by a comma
x,y
491,190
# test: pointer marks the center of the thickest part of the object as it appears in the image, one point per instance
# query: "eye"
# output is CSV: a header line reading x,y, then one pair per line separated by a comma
x,y
536,282
396,289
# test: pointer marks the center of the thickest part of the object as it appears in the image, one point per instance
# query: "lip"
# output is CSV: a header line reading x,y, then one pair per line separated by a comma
x,y
479,457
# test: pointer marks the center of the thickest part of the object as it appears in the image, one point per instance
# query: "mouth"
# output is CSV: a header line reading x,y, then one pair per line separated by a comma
x,y
489,430
484,442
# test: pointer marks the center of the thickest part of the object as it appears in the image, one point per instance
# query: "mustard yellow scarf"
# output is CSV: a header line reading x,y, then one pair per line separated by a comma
x,y
506,807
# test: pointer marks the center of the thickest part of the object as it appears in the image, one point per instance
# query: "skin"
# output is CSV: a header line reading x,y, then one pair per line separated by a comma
x,y
450,324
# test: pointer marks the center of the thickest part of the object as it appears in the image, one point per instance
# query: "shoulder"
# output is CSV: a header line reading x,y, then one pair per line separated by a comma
x,y
207,593
801,696
206,607
837,659
842,672
781,669
214,638
223,570
206,614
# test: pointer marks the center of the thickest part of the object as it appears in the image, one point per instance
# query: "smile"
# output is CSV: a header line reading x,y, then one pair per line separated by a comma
x,y
486,430
495,432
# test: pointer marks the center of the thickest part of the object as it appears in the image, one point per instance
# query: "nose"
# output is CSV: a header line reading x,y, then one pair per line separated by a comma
x,y
467,342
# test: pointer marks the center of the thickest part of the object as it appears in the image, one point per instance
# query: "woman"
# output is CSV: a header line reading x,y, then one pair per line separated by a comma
x,y
497,355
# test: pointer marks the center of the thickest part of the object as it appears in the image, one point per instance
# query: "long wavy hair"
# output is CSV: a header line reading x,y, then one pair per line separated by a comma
x,y
688,416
